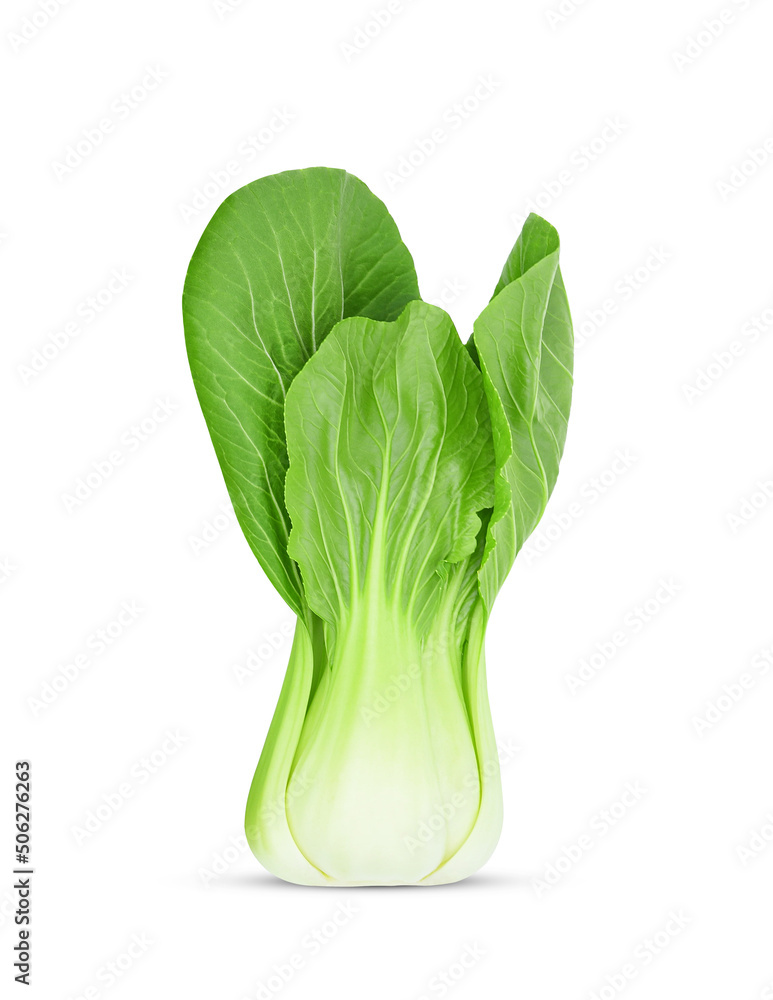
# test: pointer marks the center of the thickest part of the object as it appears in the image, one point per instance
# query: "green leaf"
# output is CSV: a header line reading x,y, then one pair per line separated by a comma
x,y
537,240
524,346
281,262
390,462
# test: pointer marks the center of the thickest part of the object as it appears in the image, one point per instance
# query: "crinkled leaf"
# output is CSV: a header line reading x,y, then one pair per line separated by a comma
x,y
390,462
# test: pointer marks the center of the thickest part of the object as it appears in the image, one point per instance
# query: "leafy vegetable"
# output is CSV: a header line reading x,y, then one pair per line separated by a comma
x,y
280,263
385,477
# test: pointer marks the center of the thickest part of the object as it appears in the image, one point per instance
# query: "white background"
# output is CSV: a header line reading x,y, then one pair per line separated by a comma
x,y
683,125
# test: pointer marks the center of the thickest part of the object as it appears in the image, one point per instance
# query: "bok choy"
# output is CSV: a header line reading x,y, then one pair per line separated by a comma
x,y
385,476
